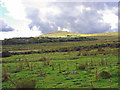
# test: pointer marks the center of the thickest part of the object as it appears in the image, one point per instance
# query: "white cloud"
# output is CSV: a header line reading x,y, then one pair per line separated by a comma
x,y
15,8
77,20
43,17
82,8
59,28
51,10
16,13
109,16
21,25
45,8
65,29
23,33
16,18
88,8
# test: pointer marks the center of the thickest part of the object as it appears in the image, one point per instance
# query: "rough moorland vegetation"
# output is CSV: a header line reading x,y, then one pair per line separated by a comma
x,y
72,64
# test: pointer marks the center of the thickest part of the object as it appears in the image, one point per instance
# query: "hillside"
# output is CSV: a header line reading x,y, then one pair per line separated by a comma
x,y
72,62
46,43
65,34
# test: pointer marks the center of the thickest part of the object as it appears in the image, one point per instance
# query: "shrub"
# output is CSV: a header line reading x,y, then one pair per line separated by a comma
x,y
27,63
91,63
5,75
42,74
104,74
60,69
86,63
63,49
21,65
48,62
26,83
66,72
79,54
81,67
69,78
31,66
6,54
43,59
74,58
15,71
0,62
100,49
102,62
85,54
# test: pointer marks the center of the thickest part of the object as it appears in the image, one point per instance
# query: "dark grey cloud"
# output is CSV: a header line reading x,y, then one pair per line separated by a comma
x,y
87,21
71,18
4,27
33,15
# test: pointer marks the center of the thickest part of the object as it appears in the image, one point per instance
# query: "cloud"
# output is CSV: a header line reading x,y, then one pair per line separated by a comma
x,y
74,17
15,8
24,33
4,27
41,23
38,17
110,16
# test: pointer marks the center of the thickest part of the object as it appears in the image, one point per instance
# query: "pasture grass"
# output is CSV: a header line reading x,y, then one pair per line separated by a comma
x,y
33,68
65,79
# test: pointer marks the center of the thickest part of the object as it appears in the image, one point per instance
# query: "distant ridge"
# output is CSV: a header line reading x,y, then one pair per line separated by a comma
x,y
55,32
66,34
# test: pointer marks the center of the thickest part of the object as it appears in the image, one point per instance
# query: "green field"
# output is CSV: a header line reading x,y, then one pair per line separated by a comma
x,y
102,39
84,68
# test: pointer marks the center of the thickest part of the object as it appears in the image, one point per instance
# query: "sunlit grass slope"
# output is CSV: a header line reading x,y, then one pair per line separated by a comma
x,y
65,34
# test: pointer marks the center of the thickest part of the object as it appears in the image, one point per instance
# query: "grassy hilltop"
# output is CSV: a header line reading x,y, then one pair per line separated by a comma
x,y
57,64
65,34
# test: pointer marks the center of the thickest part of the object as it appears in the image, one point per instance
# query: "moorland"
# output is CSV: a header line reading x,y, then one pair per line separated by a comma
x,y
61,59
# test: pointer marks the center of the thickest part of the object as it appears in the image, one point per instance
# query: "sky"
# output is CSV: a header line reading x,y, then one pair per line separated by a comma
x,y
30,18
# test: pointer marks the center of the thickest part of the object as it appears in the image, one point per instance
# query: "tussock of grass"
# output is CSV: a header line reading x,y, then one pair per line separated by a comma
x,y
81,67
104,75
26,83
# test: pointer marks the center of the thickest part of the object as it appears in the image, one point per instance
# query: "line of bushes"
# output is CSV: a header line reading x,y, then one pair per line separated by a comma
x,y
15,41
89,47
7,54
